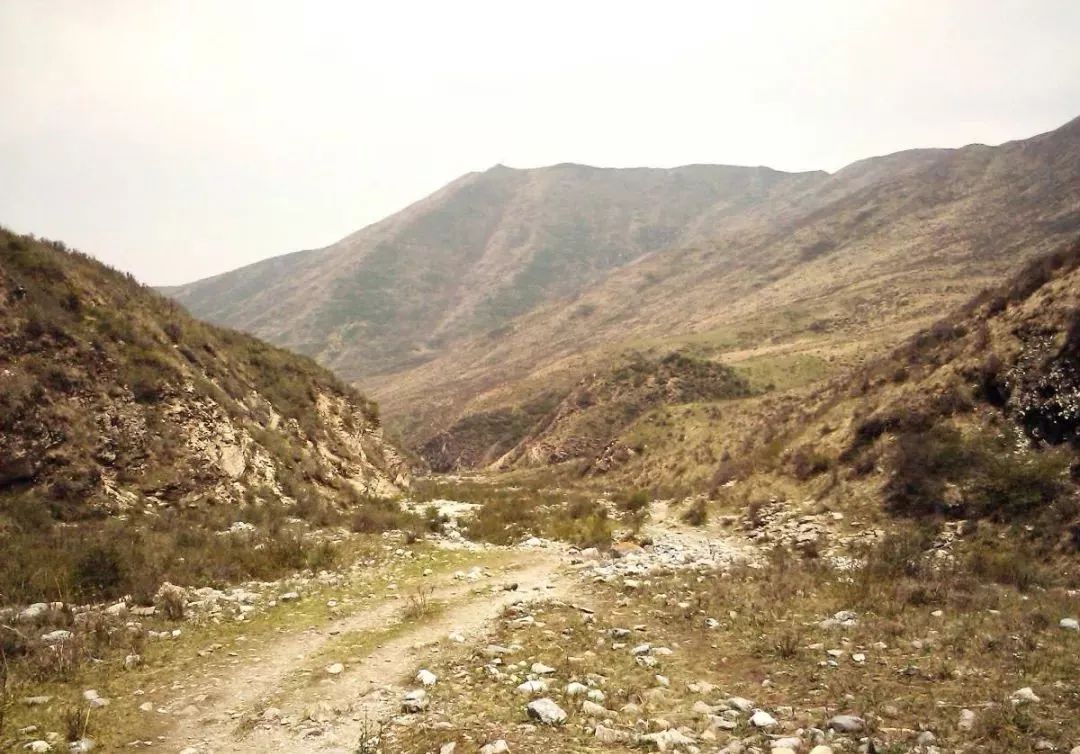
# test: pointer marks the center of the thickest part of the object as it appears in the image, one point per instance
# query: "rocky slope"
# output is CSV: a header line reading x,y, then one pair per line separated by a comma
x,y
117,405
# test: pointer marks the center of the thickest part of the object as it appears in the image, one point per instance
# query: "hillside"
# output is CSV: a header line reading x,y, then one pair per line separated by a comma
x,y
975,417
508,286
125,420
814,284
474,255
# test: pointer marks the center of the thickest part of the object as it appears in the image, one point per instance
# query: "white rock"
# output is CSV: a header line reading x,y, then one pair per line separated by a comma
x,y
540,668
846,724
741,704
532,687
448,748
335,669
426,677
1024,696
1070,624
56,637
762,719
289,597
415,701
38,746
821,750
610,735
967,720
495,747
592,709
576,689
32,612
668,739
546,711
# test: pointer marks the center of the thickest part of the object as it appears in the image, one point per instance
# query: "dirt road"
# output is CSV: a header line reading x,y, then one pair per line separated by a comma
x,y
288,702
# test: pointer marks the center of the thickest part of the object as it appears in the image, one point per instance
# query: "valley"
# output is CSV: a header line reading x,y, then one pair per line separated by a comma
x,y
755,462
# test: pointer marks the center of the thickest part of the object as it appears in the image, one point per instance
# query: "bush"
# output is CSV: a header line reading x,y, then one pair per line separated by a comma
x,y
697,514
942,472
634,501
99,572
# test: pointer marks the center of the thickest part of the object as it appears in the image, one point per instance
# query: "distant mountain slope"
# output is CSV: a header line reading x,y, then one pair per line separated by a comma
x,y
474,255
507,285
838,271
117,406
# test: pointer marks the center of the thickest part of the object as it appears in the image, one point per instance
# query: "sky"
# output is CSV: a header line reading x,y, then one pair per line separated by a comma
x,y
180,139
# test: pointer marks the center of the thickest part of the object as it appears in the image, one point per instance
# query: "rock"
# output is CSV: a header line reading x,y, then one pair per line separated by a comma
x,y
495,747
846,724
33,612
56,637
546,712
1070,624
81,746
741,704
426,677
448,748
94,699
576,689
415,701
641,649
335,669
610,735
821,750
926,738
38,746
540,668
36,701
667,739
289,597
967,720
532,687
132,661
1024,696
146,707
791,744
592,709
762,719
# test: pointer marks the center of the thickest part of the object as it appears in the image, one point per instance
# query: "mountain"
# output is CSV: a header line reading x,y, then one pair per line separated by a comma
x,y
501,292
468,259
125,423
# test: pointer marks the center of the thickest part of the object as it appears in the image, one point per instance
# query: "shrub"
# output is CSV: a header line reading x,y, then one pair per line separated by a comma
x,y
697,514
634,501
941,471
99,572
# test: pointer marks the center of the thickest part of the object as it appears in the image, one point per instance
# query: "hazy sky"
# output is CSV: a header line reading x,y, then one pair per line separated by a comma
x,y
181,139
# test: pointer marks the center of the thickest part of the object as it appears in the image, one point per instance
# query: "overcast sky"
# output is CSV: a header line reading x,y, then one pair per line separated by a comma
x,y
180,139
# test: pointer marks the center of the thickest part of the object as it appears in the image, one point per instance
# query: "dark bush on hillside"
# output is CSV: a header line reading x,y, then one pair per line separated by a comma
x,y
807,462
697,514
940,471
634,501
98,572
